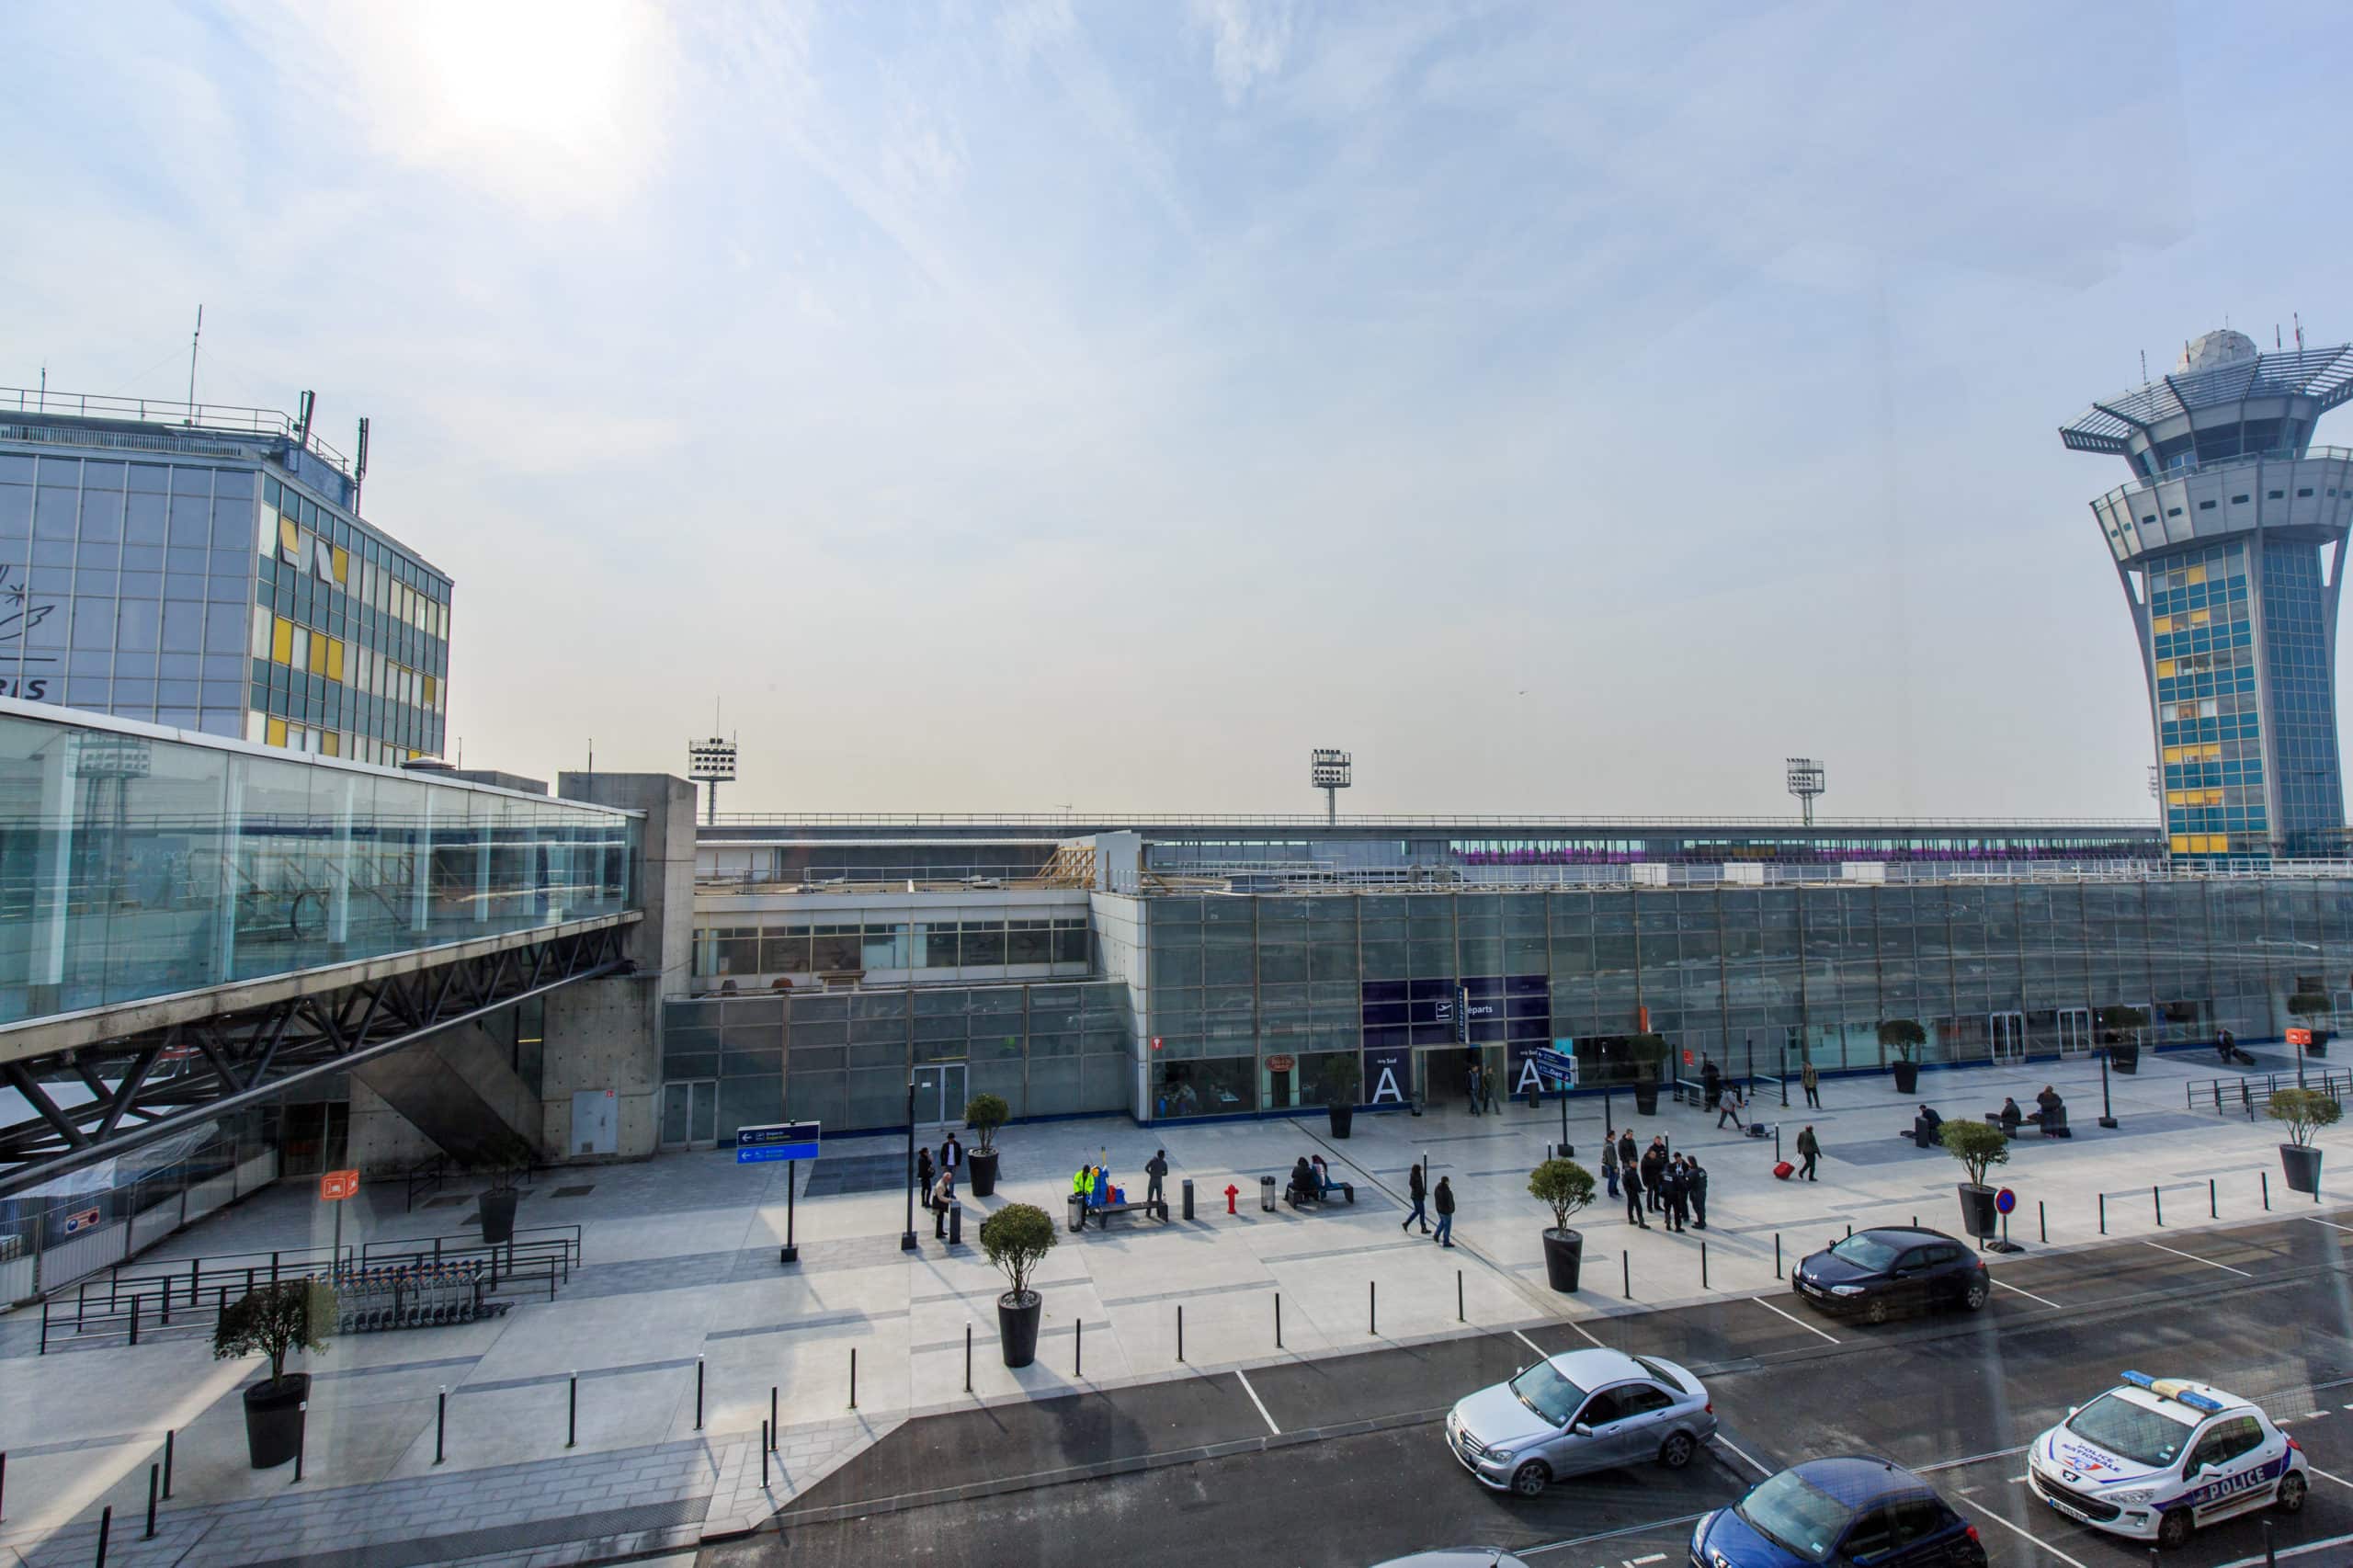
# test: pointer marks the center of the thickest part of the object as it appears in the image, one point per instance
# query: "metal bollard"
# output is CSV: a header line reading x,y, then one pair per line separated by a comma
x,y
764,1456
1626,1269
441,1424
956,1226
699,1393
170,1439
105,1528
1777,1255
773,1427
1850,1229
1078,1355
1278,1320
1188,1186
2041,1219
1458,1298
301,1437
2266,1190
2270,1559
4,1485
154,1484
2212,1212
1180,1331
968,1357
2158,1198
1372,1308
1703,1265
853,1377
572,1415
2103,1213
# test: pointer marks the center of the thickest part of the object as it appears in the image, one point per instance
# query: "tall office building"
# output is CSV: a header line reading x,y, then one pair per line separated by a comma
x,y
207,567
2230,545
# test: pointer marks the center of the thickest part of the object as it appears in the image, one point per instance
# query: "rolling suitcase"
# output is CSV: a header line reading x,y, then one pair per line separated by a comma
x,y
1781,1172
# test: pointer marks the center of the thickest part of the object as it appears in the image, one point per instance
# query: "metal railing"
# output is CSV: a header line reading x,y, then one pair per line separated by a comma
x,y
1702,823
2250,1094
2223,465
193,417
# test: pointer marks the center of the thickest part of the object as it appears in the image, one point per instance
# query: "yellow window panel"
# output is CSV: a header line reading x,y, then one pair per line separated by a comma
x,y
2180,840
2164,668
281,646
342,564
2212,751
277,731
2195,575
335,659
2199,617
331,743
2177,797
2173,753
290,541
430,687
2162,625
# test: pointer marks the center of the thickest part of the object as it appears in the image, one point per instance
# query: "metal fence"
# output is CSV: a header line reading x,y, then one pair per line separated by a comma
x,y
49,1242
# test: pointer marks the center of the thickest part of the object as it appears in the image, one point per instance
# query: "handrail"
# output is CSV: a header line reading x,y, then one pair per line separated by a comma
x,y
1699,824
193,417
2223,465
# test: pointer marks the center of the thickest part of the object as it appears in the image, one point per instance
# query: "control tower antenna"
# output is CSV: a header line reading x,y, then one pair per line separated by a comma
x,y
193,344
1330,771
1805,783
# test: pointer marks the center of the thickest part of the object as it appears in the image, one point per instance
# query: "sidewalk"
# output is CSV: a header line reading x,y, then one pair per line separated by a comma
x,y
680,1262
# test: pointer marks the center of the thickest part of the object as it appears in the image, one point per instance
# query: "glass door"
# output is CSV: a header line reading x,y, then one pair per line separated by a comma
x,y
2074,1032
2008,1035
690,1114
942,1104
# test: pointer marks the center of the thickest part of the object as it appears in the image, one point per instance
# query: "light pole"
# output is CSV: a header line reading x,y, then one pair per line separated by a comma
x,y
2107,1111
907,1237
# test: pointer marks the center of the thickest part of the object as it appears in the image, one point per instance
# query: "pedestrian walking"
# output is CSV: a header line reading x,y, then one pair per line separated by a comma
x,y
1630,1176
1156,1172
1809,1149
1416,1190
1711,1083
1732,1109
952,1153
1694,1179
1475,1076
1445,1199
1812,1082
943,1199
924,1173
1609,1165
1487,1076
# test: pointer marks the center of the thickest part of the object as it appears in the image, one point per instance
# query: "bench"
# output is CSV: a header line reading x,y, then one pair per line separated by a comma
x,y
1102,1213
1299,1198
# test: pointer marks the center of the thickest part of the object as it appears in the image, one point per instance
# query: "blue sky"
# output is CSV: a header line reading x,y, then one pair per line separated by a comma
x,y
1570,409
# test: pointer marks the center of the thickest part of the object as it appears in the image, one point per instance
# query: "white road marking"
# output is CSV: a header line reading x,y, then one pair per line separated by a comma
x,y
2195,1258
1780,1313
2325,1476
1540,1356
1736,1449
2028,1294
2286,1552
1638,1561
1256,1400
1590,1339
2022,1535
2330,1223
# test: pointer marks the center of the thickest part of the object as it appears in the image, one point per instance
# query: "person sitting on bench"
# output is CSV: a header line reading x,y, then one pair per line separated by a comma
x,y
2009,1116
1322,1175
1303,1184
2054,1111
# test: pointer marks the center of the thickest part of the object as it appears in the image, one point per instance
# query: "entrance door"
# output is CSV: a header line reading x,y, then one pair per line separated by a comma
x,y
690,1114
2008,1032
939,1094
2074,1032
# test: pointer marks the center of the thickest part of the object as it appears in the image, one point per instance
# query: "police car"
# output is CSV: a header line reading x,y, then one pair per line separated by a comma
x,y
2154,1459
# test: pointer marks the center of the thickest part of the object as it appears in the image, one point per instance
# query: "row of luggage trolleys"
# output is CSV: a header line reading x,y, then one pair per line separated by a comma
x,y
412,1296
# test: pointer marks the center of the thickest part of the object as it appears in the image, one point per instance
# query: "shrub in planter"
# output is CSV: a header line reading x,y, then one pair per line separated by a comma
x,y
2304,1112
2120,1027
1979,1147
1903,1036
1341,1078
273,1321
985,1114
1017,1238
1649,1052
1565,1188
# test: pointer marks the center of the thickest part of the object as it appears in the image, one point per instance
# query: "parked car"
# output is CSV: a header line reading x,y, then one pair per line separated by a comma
x,y
1583,1410
1457,1557
1838,1511
2153,1459
1888,1269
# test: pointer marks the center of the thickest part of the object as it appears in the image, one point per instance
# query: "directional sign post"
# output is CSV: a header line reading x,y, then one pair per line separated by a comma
x,y
791,1141
1561,1067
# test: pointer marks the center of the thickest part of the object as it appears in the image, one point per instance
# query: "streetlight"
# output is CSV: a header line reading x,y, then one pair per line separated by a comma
x,y
907,1237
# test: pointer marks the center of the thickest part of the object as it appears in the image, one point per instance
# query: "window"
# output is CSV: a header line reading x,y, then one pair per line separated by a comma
x,y
2226,1441
2205,505
276,736
1601,1409
281,642
1641,1399
1872,1533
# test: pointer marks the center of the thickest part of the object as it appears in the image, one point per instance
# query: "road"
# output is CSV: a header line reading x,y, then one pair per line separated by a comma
x,y
1340,1463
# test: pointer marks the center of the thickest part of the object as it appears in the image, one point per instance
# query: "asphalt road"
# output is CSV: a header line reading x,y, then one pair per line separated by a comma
x,y
1343,1465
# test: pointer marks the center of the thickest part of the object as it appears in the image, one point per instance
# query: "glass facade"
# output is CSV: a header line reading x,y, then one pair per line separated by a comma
x,y
2303,709
755,951
2209,725
134,865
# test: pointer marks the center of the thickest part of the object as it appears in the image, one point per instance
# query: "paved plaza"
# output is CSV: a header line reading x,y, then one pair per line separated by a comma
x,y
680,1270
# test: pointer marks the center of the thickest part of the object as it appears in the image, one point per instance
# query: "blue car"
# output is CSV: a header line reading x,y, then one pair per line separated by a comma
x,y
1840,1512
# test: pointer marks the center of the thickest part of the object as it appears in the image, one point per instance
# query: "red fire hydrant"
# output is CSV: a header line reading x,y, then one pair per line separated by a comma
x,y
1231,1192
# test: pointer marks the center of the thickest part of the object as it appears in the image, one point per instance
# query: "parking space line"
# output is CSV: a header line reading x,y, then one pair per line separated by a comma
x,y
2325,1476
2287,1551
2023,1534
1256,1400
1590,1339
2330,1223
1606,1535
1736,1449
2195,1258
2028,1294
1541,1353
1780,1313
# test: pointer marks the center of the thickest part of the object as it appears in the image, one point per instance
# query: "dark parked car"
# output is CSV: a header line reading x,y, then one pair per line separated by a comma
x,y
1838,1511
1893,1268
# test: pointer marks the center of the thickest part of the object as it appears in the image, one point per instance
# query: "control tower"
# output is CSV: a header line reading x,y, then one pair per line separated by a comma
x,y
2230,544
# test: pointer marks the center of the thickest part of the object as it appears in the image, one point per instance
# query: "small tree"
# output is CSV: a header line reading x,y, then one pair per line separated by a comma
x,y
1018,1237
2309,1005
1978,1147
2120,1019
272,1320
985,1114
1649,1050
1902,1035
1341,1077
1563,1185
2304,1112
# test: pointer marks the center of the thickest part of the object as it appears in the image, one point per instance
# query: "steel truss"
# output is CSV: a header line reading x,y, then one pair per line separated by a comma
x,y
151,1086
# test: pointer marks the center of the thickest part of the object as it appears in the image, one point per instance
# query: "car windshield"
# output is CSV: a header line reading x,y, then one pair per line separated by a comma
x,y
2132,1431
1798,1514
1544,1391
1866,1251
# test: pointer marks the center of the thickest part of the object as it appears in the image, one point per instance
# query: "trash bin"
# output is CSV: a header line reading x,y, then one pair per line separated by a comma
x,y
1188,1197
1267,1194
1077,1212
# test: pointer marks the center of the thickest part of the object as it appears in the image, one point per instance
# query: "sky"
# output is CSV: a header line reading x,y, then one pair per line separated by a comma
x,y
1567,409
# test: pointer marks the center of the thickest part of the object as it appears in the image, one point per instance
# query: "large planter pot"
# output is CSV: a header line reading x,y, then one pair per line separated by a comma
x,y
1646,1099
1563,1254
2302,1166
1977,1215
274,1419
982,1164
498,1215
2319,1046
1017,1315
1908,1077
2124,1058
1343,1118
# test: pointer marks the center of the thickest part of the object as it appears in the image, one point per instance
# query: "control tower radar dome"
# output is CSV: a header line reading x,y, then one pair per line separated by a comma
x,y
2213,349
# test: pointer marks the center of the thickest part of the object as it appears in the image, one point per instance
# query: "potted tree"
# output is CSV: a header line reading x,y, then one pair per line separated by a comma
x,y
272,1320
2121,1027
1903,1036
498,1207
1341,1077
1978,1146
1018,1237
1566,1187
2308,1006
1649,1050
985,1114
2304,1112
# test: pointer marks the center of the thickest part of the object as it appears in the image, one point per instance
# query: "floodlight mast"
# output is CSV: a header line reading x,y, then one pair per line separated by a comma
x,y
1330,771
712,762
1806,782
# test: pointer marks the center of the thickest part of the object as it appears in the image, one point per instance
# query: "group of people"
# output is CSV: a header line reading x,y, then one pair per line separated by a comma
x,y
1093,1183
1418,1188
1672,1185
1483,1089
937,1181
2049,1112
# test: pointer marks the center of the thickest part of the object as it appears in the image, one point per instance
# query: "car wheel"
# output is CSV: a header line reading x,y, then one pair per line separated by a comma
x,y
2291,1494
1974,1297
1676,1451
1875,1310
1530,1479
2173,1529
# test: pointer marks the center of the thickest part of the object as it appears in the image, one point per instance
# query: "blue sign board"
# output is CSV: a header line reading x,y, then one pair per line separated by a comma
x,y
776,1141
1555,1065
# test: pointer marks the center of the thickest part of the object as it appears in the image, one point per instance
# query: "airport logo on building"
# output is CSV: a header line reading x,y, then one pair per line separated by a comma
x,y
18,615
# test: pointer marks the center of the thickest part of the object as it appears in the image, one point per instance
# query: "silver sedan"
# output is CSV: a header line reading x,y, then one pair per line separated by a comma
x,y
1583,1410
